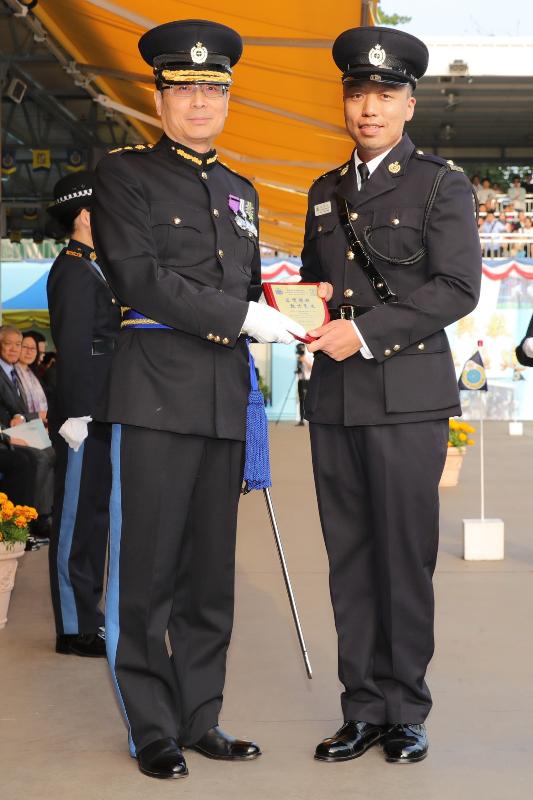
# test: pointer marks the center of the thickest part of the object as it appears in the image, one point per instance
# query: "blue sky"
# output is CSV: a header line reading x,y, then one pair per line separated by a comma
x,y
464,17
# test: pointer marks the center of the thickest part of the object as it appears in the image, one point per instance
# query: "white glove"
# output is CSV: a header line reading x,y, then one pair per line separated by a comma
x,y
266,324
527,347
74,431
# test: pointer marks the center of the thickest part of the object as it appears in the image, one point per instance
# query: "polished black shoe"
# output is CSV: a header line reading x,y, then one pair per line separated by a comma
x,y
162,759
89,645
406,744
216,743
350,741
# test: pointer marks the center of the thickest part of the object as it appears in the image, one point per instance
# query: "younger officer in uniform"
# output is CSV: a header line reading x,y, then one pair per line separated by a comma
x,y
179,241
85,320
383,386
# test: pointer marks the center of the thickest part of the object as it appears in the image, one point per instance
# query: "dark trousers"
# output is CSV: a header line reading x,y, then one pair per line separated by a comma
x,y
171,571
80,527
19,472
377,490
303,386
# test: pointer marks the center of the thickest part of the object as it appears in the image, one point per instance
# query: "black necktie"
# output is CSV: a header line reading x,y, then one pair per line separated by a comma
x,y
15,381
17,385
364,172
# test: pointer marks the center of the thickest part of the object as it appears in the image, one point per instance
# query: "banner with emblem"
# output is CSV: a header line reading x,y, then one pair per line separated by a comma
x,y
9,162
75,160
473,377
41,160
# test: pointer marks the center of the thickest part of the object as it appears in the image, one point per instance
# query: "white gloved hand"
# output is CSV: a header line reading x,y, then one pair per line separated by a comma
x,y
527,347
74,431
266,324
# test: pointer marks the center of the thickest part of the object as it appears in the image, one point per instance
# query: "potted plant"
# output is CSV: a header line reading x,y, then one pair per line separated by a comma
x,y
14,531
458,440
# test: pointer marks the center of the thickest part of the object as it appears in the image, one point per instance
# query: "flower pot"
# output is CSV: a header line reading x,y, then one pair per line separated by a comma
x,y
8,566
452,466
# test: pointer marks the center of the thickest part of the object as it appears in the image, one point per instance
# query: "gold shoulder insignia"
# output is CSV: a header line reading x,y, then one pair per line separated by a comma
x,y
139,148
74,253
343,169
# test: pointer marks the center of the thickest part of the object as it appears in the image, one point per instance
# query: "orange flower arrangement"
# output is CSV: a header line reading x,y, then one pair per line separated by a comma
x,y
458,435
14,521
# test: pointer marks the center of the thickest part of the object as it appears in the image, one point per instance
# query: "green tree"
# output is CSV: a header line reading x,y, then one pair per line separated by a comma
x,y
390,19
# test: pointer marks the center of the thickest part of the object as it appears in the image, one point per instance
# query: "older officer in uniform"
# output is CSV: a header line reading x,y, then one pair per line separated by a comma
x,y
178,235
85,321
394,233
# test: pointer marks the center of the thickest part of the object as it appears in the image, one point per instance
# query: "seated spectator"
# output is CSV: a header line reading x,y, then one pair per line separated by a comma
x,y
33,391
14,412
517,194
41,346
485,194
493,226
528,183
520,222
476,182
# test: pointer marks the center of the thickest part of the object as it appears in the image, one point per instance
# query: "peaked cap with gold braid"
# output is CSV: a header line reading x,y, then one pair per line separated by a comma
x,y
191,51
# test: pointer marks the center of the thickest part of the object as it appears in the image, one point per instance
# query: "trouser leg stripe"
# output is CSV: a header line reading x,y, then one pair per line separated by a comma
x,y
69,511
112,616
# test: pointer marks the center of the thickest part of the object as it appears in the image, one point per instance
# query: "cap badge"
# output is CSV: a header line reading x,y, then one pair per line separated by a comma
x,y
377,56
395,167
199,53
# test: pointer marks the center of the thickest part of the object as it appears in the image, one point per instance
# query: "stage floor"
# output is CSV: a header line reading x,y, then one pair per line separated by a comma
x,y
61,735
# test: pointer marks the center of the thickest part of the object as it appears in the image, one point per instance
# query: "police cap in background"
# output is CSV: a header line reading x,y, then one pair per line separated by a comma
x,y
71,194
384,55
191,51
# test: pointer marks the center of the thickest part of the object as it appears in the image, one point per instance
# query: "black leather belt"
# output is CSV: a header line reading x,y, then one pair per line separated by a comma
x,y
103,347
348,311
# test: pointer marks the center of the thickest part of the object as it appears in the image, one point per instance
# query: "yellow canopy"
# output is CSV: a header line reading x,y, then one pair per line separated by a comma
x,y
285,126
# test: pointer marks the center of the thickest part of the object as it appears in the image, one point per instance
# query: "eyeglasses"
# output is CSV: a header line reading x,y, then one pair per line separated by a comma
x,y
28,348
189,89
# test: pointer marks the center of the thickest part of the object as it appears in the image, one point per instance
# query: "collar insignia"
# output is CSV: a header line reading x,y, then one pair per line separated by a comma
x,y
395,167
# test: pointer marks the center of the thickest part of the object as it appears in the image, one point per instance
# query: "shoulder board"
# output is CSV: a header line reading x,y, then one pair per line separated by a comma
x,y
73,253
342,170
442,162
233,172
132,148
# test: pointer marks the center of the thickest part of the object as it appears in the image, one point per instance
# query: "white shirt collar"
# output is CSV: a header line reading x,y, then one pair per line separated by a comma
x,y
372,165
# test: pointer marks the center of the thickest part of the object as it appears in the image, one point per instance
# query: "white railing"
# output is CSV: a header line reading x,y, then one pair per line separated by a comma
x,y
506,245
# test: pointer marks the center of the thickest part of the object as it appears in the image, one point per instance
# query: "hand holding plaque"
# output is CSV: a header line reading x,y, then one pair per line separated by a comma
x,y
300,302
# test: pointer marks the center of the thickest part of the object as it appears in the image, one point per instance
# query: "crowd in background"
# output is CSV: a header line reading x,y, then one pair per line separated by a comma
x,y
505,216
27,385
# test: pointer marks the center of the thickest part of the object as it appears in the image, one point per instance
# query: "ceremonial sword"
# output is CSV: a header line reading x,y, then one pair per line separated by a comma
x,y
281,554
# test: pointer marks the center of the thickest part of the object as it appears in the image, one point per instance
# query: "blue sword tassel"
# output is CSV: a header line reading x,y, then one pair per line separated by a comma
x,y
257,461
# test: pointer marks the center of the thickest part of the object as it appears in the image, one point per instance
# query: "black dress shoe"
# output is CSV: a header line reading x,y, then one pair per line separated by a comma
x,y
350,741
218,744
406,744
89,645
162,759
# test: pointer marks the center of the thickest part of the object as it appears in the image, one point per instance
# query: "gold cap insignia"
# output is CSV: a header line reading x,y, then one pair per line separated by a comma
x,y
395,167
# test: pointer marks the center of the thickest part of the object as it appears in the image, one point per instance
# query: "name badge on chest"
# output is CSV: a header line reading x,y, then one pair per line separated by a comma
x,y
323,208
